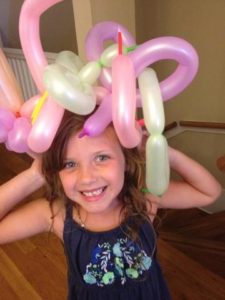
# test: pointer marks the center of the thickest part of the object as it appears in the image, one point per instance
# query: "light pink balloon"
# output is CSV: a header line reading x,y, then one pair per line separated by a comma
x,y
98,121
124,101
168,48
7,118
47,123
94,44
30,37
102,32
17,137
45,127
10,92
28,106
3,133
100,93
102,117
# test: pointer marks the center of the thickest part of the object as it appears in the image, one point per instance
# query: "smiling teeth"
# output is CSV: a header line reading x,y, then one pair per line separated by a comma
x,y
94,193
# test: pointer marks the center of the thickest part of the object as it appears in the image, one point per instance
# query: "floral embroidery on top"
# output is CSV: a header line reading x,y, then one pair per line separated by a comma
x,y
122,260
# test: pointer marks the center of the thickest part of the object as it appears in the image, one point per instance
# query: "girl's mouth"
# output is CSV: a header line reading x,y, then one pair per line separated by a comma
x,y
93,195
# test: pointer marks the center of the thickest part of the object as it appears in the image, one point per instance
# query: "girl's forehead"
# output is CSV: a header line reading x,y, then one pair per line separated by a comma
x,y
106,139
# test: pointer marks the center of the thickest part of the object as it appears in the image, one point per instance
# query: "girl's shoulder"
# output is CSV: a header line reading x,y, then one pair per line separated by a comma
x,y
58,212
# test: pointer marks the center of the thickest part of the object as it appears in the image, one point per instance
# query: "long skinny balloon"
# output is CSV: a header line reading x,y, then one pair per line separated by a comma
x,y
157,162
124,101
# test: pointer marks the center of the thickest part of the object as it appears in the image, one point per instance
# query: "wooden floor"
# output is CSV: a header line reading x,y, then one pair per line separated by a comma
x,y
191,249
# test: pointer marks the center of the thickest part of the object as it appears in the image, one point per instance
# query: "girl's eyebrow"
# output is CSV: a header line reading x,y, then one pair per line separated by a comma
x,y
67,159
106,151
103,151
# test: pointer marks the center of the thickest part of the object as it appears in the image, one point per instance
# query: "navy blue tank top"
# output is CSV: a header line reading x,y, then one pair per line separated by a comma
x,y
109,266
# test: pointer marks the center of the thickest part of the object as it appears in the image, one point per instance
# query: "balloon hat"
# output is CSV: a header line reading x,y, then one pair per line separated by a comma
x,y
70,84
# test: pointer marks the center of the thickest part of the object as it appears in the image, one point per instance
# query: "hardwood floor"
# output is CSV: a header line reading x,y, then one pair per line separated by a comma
x,y
191,249
192,254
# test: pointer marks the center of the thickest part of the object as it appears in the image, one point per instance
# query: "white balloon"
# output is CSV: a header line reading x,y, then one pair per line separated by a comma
x,y
69,60
67,89
157,165
109,54
90,72
152,102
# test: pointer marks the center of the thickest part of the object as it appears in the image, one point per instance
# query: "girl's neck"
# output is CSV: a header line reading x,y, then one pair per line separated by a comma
x,y
98,222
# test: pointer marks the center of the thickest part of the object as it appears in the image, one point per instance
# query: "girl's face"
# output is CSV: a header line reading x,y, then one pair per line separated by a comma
x,y
93,172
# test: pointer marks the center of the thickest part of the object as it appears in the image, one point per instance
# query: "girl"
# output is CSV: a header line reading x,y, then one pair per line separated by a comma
x,y
96,206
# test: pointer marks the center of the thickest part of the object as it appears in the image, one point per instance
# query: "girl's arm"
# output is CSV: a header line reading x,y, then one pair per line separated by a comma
x,y
198,187
18,188
30,219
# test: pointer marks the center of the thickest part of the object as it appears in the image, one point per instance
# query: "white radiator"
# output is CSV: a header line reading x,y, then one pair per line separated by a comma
x,y
19,66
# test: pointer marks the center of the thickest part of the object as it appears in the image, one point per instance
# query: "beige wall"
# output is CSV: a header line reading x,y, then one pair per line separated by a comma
x,y
121,11
89,12
197,145
56,26
202,23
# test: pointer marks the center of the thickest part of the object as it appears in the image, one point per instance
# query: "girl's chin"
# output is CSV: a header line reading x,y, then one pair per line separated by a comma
x,y
98,207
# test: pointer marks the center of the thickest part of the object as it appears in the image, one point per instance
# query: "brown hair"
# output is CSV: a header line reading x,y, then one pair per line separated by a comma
x,y
134,202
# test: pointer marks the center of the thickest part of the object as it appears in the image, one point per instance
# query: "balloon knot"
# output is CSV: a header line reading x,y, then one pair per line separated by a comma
x,y
131,48
101,64
83,133
120,43
141,122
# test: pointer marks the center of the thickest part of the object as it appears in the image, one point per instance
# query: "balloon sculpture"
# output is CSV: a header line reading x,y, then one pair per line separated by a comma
x,y
70,84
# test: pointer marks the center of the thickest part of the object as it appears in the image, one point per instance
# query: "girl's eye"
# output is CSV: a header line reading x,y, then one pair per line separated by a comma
x,y
102,157
69,165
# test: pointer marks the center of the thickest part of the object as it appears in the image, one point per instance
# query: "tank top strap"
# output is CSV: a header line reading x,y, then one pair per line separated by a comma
x,y
69,211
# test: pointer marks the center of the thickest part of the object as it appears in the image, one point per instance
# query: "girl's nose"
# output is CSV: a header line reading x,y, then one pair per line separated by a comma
x,y
87,175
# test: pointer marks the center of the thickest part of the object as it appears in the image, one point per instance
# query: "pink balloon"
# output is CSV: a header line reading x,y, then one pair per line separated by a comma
x,y
100,93
106,78
10,92
104,31
47,123
102,117
30,37
28,106
7,118
17,137
99,120
168,48
45,127
162,48
3,133
124,101
94,44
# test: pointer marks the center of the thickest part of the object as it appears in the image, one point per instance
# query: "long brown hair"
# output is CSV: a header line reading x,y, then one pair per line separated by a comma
x,y
134,202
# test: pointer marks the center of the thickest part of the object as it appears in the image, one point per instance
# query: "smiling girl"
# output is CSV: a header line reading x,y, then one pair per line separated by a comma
x,y
96,206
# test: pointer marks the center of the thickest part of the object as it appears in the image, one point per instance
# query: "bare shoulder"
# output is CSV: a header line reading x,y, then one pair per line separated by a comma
x,y
25,221
57,217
